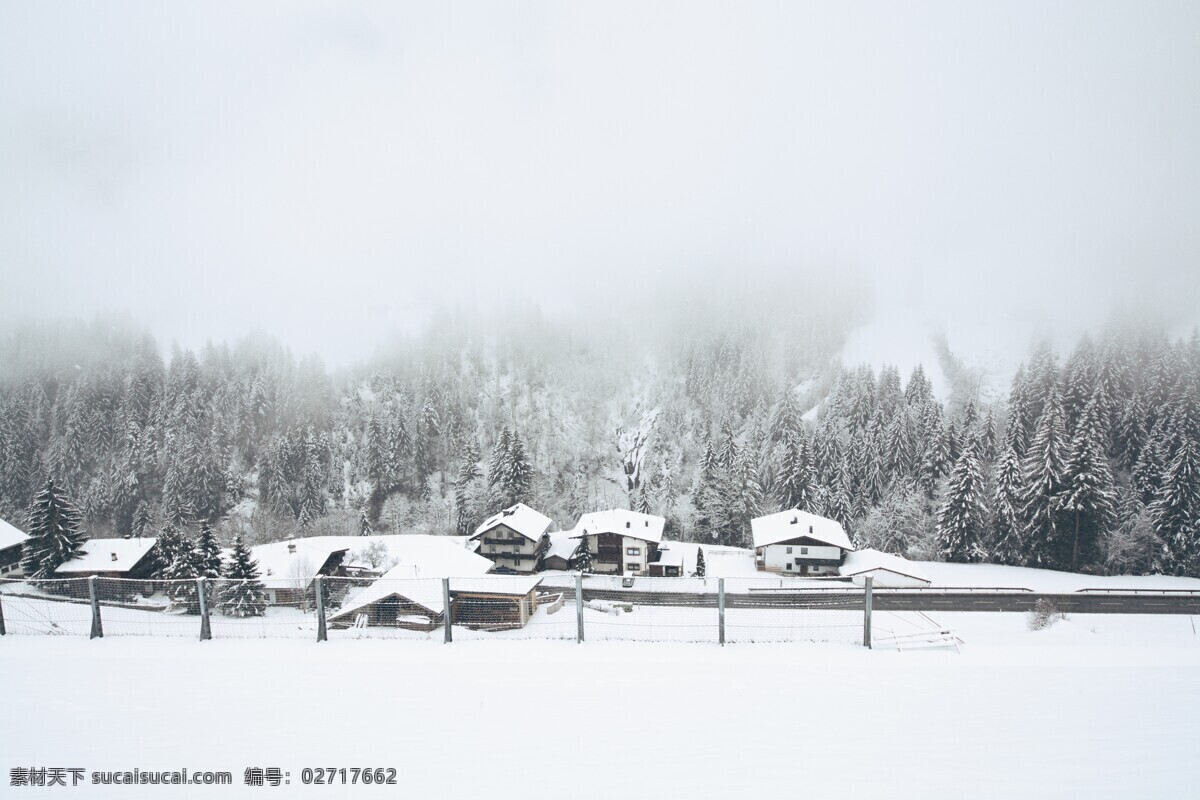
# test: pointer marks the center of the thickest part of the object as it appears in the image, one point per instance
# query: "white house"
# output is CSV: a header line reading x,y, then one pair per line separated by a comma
x,y
11,542
621,542
515,539
111,558
885,568
799,543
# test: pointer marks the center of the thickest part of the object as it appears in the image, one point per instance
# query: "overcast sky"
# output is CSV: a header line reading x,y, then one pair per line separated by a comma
x,y
329,172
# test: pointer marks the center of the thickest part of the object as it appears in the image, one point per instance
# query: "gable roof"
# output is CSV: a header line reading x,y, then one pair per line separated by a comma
x,y
515,585
646,527
520,518
10,535
562,545
869,560
107,555
293,563
787,525
425,592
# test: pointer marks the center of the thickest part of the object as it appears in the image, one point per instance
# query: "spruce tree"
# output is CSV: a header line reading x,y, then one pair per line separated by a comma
x,y
960,527
243,594
1007,523
1042,483
208,552
364,524
583,556
1176,512
700,567
54,533
1088,492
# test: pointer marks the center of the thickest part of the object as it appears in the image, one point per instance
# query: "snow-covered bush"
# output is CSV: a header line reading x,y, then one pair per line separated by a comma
x,y
1043,615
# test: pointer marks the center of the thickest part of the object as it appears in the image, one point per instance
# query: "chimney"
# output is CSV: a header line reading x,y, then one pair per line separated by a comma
x,y
291,547
647,523
810,528
127,536
114,556
627,523
795,520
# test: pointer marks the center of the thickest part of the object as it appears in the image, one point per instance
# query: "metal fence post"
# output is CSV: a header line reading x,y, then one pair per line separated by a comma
x,y
202,594
721,607
3,630
97,627
322,633
447,617
868,586
578,607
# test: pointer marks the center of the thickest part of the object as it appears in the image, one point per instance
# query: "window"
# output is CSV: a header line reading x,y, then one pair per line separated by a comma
x,y
789,551
789,566
633,551
803,551
633,567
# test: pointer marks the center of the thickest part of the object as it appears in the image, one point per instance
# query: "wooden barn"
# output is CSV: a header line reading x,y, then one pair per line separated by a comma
x,y
493,601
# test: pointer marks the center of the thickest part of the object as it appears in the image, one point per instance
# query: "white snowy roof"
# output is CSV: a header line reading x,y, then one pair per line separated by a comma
x,y
520,518
669,558
788,525
10,536
861,561
293,563
562,545
425,592
516,585
646,527
410,555
107,555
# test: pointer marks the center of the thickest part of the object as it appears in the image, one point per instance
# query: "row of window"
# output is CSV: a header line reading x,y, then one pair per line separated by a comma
x,y
803,551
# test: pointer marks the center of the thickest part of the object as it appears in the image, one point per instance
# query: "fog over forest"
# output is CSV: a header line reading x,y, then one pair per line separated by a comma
x,y
318,268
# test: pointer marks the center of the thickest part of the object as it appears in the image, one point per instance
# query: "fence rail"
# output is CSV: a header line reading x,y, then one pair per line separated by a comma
x,y
452,609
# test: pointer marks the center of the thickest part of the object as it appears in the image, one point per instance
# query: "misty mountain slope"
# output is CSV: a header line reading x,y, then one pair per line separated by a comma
x,y
1086,464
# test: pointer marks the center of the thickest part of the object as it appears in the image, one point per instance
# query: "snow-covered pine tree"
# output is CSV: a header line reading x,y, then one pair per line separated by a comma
x,y
582,558
1007,523
1042,483
1088,493
700,566
54,533
208,552
364,524
468,474
1176,511
242,594
181,573
795,475
961,519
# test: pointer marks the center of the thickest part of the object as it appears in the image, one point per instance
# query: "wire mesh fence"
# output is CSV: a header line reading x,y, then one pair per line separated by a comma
x,y
564,607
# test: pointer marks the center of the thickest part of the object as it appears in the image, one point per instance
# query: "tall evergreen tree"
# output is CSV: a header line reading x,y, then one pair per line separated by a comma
x,y
961,519
242,594
700,566
208,552
1007,523
54,533
1088,493
1042,484
1176,511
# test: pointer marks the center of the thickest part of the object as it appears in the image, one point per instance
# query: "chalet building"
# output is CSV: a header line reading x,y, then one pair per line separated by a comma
x,y
884,569
11,542
621,542
515,540
131,558
799,543
561,552
287,568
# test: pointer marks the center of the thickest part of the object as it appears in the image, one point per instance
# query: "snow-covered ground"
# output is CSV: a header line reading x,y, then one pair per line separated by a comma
x,y
1098,707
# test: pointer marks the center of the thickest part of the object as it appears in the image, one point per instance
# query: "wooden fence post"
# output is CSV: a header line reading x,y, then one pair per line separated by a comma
x,y
868,586
202,593
578,607
97,626
322,633
447,617
3,630
721,608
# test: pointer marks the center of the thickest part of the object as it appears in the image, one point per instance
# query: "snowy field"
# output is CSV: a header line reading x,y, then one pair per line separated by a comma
x,y
1093,707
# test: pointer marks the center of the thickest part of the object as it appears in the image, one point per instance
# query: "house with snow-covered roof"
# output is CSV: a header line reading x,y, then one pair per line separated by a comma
x,y
621,542
799,543
884,569
12,541
561,551
514,539
131,558
287,568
